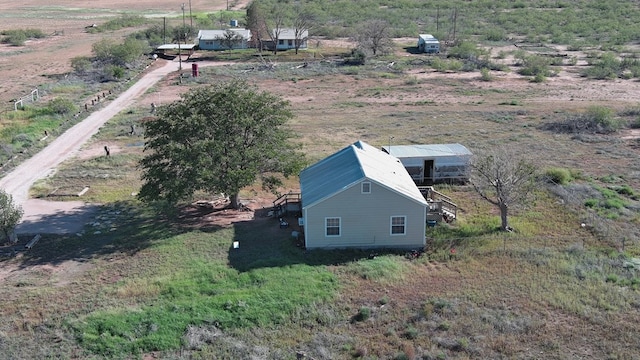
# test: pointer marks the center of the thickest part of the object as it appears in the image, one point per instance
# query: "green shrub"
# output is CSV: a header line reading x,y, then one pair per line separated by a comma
x,y
465,50
559,176
603,117
591,203
18,37
539,78
411,333
61,106
123,21
614,203
625,190
485,75
495,34
22,140
363,314
81,64
535,65
357,57
607,66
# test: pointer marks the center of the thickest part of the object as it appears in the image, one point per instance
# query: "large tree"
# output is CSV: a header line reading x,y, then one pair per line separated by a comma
x,y
374,37
10,215
503,179
256,22
217,139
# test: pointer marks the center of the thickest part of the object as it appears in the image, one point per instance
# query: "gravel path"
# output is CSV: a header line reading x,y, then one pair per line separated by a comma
x,y
70,216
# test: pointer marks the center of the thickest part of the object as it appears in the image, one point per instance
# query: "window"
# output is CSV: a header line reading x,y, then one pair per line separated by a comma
x,y
332,226
366,188
398,225
290,42
280,42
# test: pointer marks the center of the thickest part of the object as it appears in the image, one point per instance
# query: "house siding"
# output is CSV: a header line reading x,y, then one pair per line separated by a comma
x,y
212,39
366,219
445,167
216,45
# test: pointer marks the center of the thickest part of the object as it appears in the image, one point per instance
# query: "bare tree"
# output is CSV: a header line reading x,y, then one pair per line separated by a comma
x,y
504,180
230,39
374,36
275,25
302,23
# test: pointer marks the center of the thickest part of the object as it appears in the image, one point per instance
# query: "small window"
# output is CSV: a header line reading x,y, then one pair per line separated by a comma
x,y
290,42
332,226
366,188
398,225
280,42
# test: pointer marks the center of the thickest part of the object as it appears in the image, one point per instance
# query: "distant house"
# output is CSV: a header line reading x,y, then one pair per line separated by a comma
x,y
287,39
361,197
174,49
428,44
224,39
434,163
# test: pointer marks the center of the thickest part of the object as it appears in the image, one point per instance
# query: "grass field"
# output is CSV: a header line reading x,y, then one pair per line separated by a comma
x,y
138,284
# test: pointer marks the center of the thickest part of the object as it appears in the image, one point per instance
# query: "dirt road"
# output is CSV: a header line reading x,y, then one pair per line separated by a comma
x,y
63,217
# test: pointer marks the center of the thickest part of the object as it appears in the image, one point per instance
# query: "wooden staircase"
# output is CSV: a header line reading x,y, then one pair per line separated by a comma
x,y
287,203
441,207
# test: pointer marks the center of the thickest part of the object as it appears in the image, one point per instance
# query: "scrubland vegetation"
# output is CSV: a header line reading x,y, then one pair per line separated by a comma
x,y
564,284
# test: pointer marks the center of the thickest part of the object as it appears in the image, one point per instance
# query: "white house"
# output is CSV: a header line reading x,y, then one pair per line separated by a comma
x,y
433,163
427,43
361,197
287,39
224,39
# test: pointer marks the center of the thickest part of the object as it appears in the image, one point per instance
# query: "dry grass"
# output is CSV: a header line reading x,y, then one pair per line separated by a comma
x,y
546,291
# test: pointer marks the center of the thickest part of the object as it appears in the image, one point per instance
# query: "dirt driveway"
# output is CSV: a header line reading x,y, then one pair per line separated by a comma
x,y
70,216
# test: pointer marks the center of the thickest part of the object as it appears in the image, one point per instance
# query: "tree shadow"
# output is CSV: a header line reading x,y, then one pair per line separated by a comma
x,y
119,228
58,222
262,243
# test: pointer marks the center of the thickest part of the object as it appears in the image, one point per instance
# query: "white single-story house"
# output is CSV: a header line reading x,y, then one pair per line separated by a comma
x,y
287,39
224,39
433,163
428,44
361,197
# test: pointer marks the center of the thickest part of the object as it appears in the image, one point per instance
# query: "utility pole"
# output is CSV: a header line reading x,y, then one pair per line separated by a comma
x,y
183,24
190,17
164,30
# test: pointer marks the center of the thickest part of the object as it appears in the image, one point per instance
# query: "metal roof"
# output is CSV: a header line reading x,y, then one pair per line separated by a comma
x,y
220,34
428,38
176,47
425,151
351,165
290,34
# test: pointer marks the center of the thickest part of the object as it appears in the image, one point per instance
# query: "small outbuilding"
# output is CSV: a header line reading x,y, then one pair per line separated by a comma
x,y
433,163
428,43
228,39
175,49
361,197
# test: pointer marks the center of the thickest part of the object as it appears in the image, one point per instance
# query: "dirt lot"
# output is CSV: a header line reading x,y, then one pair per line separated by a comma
x,y
39,61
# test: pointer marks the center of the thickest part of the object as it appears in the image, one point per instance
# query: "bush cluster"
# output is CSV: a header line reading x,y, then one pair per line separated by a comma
x,y
121,22
18,37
